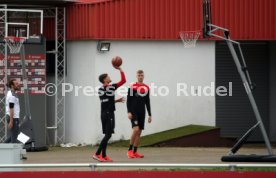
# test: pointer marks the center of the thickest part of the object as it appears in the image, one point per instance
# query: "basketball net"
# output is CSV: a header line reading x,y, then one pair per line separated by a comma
x,y
189,38
14,43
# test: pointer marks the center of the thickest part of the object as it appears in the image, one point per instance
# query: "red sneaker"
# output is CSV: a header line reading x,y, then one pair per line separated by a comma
x,y
98,158
107,159
137,155
130,154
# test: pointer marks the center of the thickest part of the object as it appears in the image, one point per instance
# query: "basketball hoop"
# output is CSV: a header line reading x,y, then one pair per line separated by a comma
x,y
189,38
14,43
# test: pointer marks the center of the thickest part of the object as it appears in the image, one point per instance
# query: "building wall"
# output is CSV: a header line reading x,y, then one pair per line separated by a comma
x,y
235,114
164,19
272,91
80,122
165,63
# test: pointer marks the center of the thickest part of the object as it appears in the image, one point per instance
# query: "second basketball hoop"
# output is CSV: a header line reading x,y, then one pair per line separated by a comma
x,y
14,43
189,38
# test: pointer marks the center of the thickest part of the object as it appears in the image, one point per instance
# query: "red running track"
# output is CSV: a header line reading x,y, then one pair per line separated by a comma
x,y
138,174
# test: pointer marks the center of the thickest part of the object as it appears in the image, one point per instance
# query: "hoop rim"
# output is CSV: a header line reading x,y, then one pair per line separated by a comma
x,y
193,31
14,38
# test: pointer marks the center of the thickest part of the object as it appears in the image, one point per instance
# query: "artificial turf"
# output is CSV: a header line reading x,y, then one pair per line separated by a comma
x,y
153,139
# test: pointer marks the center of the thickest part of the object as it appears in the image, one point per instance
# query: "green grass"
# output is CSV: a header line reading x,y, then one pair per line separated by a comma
x,y
156,138
256,169
228,169
220,169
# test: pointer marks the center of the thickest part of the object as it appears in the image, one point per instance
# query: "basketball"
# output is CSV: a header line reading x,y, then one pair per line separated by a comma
x,y
117,61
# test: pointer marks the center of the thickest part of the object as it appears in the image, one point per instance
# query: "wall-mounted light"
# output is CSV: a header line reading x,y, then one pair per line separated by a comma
x,y
104,46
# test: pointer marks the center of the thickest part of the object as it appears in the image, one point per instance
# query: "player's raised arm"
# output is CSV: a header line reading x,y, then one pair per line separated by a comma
x,y
117,62
123,78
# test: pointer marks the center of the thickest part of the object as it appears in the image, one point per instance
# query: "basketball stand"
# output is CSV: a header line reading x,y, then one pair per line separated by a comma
x,y
210,30
19,36
16,45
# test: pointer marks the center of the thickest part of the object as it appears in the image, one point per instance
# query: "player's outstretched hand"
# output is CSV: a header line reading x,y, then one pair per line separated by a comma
x,y
119,68
121,100
150,119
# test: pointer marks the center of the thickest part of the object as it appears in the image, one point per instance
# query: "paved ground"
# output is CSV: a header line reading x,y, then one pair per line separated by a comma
x,y
152,155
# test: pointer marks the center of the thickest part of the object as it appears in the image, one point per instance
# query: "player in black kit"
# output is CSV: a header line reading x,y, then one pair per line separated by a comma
x,y
107,98
137,100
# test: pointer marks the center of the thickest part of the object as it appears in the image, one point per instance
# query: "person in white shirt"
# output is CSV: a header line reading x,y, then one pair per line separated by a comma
x,y
12,111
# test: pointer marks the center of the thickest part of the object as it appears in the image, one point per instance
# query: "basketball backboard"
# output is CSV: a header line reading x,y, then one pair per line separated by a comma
x,y
24,23
207,17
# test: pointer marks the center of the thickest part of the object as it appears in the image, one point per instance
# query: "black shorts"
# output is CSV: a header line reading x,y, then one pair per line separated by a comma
x,y
138,119
108,122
